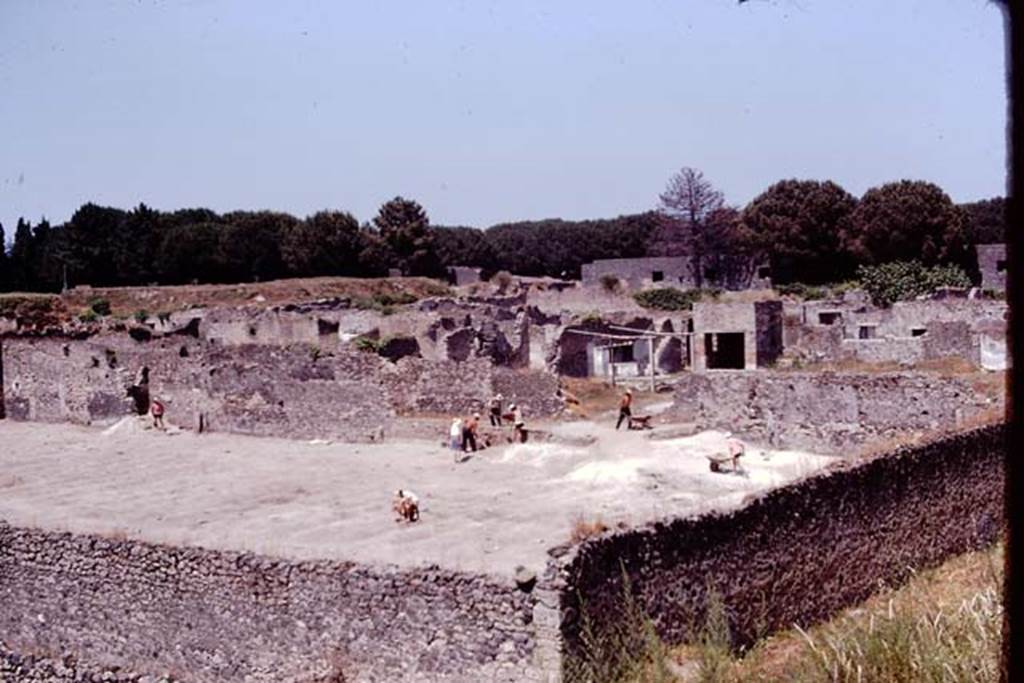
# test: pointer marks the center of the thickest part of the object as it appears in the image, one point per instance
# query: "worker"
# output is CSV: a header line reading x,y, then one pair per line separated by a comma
x,y
625,409
495,410
406,506
455,437
518,425
156,409
469,429
736,451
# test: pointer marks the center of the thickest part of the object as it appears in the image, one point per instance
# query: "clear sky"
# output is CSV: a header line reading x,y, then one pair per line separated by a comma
x,y
488,111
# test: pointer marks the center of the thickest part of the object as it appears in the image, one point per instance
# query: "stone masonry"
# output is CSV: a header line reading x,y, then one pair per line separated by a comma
x,y
828,411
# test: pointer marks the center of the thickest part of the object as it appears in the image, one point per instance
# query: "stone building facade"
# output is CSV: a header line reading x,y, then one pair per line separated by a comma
x,y
992,264
736,336
677,271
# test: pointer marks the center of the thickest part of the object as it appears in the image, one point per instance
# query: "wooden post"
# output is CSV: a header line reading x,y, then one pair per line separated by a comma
x,y
650,360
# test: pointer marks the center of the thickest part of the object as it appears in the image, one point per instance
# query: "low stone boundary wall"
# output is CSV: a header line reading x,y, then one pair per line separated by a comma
x,y
798,554
828,411
203,615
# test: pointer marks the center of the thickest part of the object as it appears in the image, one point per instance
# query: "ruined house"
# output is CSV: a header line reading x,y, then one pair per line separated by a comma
x,y
726,272
736,336
992,265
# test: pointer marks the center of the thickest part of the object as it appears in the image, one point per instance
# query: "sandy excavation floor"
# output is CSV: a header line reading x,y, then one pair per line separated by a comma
x,y
504,507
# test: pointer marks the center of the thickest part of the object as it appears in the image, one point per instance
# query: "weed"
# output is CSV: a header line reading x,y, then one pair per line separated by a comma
x,y
99,306
672,299
582,528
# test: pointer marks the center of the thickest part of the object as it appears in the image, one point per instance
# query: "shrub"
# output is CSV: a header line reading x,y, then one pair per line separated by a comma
x,y
902,280
503,279
369,344
141,315
802,291
672,299
88,316
99,306
397,299
610,283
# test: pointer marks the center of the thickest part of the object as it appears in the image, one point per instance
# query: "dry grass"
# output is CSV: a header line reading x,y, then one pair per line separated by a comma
x,y
125,301
593,397
944,625
583,528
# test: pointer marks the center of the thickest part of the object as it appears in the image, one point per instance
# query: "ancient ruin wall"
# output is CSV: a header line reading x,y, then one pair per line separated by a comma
x,y
828,411
798,554
223,616
294,391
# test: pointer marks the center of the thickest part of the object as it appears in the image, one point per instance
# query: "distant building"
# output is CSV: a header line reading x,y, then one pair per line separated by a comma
x,y
463,275
992,264
677,271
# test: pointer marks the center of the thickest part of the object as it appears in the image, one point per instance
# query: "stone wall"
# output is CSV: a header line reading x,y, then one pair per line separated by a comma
x,y
796,555
990,257
202,615
298,391
677,271
908,332
828,411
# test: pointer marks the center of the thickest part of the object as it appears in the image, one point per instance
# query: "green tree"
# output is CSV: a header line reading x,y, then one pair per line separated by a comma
x,y
376,256
801,226
909,220
188,253
249,245
986,220
89,241
688,204
21,257
326,243
133,249
5,269
462,246
405,228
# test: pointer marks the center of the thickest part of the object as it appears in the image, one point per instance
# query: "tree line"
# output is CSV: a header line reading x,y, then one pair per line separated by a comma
x,y
810,231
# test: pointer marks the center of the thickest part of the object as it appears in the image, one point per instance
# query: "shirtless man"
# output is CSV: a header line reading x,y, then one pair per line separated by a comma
x,y
469,429
624,409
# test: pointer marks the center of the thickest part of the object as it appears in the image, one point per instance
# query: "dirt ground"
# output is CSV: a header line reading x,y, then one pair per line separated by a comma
x,y
497,509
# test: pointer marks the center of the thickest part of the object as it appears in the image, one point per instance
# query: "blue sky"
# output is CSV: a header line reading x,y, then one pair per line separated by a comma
x,y
488,111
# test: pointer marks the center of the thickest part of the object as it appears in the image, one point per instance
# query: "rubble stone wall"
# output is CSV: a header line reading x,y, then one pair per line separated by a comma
x,y
297,391
989,258
827,411
205,615
798,554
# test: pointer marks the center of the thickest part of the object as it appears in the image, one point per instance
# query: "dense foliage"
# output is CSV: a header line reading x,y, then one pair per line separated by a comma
x,y
902,280
812,232
800,225
558,248
908,220
672,299
986,220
